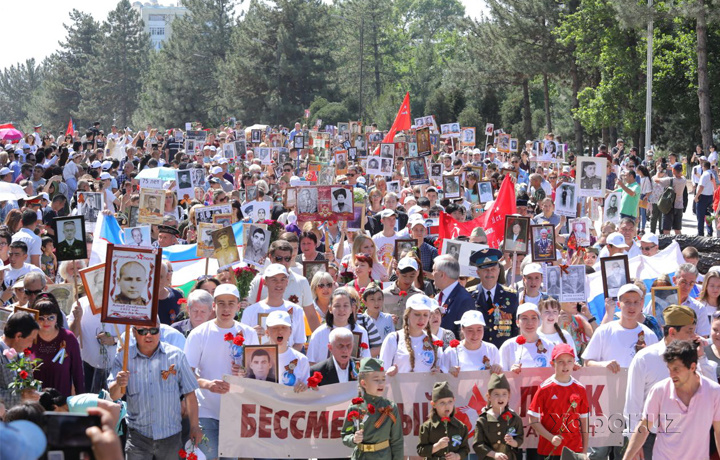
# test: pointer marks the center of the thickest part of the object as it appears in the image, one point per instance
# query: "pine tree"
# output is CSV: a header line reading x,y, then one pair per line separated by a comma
x,y
17,86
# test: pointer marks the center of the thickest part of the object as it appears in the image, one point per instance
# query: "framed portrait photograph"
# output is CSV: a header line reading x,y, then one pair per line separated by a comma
x,y
662,297
543,243
386,166
206,213
64,294
550,151
393,186
257,211
452,247
70,233
133,213
341,200
511,172
205,245
255,136
257,242
451,186
358,222
402,244
341,162
417,170
611,208
307,200
225,220
436,170
581,228
566,199
228,150
290,197
131,286
90,205
552,281
467,137
412,149
261,362
152,204
226,251
32,311
240,148
197,176
138,236
514,145
615,273
311,267
183,184
93,279
590,176
572,284
516,234
486,191
387,150
422,137
503,142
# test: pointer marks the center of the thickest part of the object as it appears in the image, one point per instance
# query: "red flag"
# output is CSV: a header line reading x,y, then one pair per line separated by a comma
x,y
451,229
494,219
402,121
70,131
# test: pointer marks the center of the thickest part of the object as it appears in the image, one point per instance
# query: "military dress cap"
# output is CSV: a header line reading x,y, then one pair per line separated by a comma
x,y
168,229
371,365
441,390
498,382
679,315
485,258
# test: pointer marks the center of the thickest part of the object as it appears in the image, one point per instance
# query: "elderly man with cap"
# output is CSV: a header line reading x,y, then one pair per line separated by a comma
x,y
167,235
397,292
498,304
6,174
217,173
648,367
649,244
211,357
443,440
385,240
453,298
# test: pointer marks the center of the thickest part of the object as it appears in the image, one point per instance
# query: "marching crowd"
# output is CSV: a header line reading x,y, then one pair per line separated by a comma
x,y
375,310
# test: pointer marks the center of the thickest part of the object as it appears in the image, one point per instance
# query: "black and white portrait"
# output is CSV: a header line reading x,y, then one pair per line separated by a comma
x,y
184,187
298,142
549,151
257,241
663,297
436,171
205,246
615,274
453,249
90,205
131,286
611,209
387,150
197,175
255,136
138,237
451,186
70,233
386,166
229,150
373,165
486,191
341,200
393,186
263,154
572,284
552,281
565,201
591,174
307,199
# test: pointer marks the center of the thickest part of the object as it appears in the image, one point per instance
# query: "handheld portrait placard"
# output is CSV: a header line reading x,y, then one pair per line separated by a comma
x,y
572,284
152,202
131,286
323,202
417,170
401,245
393,186
138,237
90,205
387,150
64,294
543,243
226,251
358,222
612,207
663,297
255,136
489,129
424,146
452,248
205,246
261,362
503,143
615,274
183,184
206,213
93,279
514,145
32,311
255,247
550,151
451,186
229,150
552,281
70,233
516,234
468,137
486,191
565,200
591,176
341,162
225,220
436,171
311,267
581,228
198,177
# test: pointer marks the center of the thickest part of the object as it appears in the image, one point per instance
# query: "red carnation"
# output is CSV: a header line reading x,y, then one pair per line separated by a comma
x,y
27,352
315,380
182,453
402,293
438,343
454,343
358,401
23,374
426,215
445,419
364,345
353,415
371,409
192,456
238,340
228,337
574,400
182,301
520,340
382,369
507,416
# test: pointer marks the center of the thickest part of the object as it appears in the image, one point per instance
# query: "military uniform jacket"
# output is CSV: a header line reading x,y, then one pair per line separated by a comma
x,y
500,316
387,431
433,430
490,433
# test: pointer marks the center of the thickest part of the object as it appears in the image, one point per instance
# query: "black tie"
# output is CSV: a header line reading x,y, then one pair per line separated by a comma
x,y
489,299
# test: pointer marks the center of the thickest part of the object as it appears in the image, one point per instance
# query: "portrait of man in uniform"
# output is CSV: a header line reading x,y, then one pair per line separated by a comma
x,y
71,242
132,279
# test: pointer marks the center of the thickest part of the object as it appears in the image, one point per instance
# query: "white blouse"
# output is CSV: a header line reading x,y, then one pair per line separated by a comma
x,y
395,352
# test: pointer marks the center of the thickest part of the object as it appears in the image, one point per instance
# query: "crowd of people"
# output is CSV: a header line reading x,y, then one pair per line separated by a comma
x,y
397,307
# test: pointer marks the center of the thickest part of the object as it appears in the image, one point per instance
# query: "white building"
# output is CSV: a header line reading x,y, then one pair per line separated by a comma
x,y
158,20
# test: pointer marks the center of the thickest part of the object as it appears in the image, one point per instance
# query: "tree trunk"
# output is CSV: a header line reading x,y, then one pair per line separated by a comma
x,y
376,58
703,81
527,113
579,147
606,137
546,94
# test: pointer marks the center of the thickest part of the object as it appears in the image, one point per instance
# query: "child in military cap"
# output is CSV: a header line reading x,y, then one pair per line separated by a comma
x,y
499,430
373,426
443,436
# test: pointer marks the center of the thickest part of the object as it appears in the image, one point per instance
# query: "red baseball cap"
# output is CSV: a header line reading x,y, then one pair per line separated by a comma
x,y
561,349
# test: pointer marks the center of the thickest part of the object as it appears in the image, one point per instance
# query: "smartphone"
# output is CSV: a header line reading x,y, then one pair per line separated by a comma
x,y
66,434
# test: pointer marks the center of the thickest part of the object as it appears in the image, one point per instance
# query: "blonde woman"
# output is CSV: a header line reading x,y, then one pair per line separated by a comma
x,y
363,244
710,293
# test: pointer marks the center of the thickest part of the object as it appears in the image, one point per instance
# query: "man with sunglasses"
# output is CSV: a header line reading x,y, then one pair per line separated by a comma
x,y
158,375
18,268
649,245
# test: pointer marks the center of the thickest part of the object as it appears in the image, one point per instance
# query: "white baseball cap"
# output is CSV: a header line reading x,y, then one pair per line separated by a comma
x,y
274,269
526,307
616,239
471,318
629,288
105,176
407,262
420,302
226,289
650,238
416,219
532,268
278,318
106,164
387,213
95,164
216,170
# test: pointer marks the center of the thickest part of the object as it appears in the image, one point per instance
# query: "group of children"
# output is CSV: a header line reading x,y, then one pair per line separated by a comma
x,y
558,413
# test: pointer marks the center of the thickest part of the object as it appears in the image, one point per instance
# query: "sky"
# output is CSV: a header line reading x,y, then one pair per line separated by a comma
x,y
48,17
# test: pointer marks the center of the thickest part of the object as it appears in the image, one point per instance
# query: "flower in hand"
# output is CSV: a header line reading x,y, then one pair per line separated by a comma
x,y
314,380
574,400
370,409
520,340
358,401
238,340
438,343
454,343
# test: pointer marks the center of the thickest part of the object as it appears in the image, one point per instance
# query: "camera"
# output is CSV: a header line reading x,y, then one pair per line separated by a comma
x,y
66,438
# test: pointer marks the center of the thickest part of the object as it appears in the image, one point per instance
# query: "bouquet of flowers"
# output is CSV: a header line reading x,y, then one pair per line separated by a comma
x,y
24,366
243,277
236,347
345,276
360,416
275,228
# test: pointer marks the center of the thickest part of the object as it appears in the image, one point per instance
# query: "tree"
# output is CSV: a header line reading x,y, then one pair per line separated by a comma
x,y
18,84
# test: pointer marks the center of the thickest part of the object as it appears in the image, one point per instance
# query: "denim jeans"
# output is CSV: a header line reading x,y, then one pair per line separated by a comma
x,y
140,447
211,429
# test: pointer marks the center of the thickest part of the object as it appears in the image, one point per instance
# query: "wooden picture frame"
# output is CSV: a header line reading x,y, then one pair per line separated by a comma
x,y
32,311
223,219
357,340
360,219
266,351
451,186
660,296
65,302
543,250
70,251
612,279
516,242
148,214
402,243
311,267
123,301
93,279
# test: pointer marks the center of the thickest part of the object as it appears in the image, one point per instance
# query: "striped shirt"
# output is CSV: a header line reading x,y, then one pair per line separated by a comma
x,y
8,397
153,402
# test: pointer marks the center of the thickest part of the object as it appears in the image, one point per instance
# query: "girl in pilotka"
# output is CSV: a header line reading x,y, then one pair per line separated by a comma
x,y
373,427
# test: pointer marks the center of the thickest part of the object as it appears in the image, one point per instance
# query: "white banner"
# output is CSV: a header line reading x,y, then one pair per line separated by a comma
x,y
267,420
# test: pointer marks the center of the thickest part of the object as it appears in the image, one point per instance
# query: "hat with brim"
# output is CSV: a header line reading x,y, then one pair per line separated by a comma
x,y
278,318
527,307
419,302
338,192
387,213
273,270
226,289
168,229
485,258
407,264
21,440
471,318
629,288
616,239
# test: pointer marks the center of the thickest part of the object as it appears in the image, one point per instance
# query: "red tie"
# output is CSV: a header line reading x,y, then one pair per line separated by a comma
x,y
440,298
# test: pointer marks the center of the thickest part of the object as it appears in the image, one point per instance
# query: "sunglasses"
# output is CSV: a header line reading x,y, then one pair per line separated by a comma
x,y
146,331
323,285
48,318
27,292
350,175
647,248
281,258
287,170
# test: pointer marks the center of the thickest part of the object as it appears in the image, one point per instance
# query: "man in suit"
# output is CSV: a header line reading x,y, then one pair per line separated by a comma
x,y
453,298
497,303
339,367
70,248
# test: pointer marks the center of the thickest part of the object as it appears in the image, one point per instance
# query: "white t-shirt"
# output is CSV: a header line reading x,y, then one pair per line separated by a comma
x,y
707,183
211,357
555,339
12,274
90,327
34,242
385,247
293,367
318,345
383,323
297,319
471,360
109,200
536,354
394,352
297,286
611,341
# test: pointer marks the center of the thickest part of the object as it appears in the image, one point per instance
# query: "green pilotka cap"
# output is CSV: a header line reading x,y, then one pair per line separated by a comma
x,y
679,315
498,382
441,390
371,365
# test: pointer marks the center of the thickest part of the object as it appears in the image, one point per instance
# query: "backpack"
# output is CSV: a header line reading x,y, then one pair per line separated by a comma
x,y
666,203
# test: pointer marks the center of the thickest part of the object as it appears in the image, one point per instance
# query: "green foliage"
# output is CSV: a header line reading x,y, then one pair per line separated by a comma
x,y
332,114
